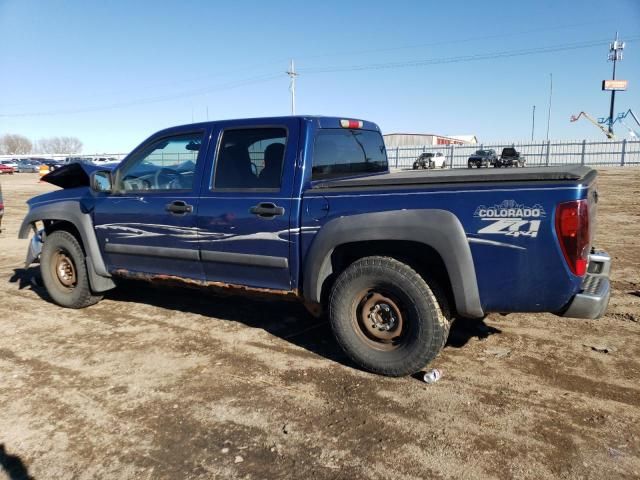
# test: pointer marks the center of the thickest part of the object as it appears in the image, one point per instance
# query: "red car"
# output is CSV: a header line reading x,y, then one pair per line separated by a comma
x,y
5,169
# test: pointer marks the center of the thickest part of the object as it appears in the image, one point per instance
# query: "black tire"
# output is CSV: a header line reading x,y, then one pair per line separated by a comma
x,y
64,272
416,165
417,316
469,165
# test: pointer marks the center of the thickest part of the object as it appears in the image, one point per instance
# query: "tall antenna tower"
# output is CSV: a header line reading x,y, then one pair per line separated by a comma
x,y
292,86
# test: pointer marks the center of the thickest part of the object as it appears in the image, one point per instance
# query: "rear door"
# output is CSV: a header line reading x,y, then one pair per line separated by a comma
x,y
149,224
244,216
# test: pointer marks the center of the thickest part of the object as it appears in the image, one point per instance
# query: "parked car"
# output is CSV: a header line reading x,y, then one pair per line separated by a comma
x,y
68,160
305,208
104,160
482,158
430,160
510,157
13,164
52,164
4,169
28,165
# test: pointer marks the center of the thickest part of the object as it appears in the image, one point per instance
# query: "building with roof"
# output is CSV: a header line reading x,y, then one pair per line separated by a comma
x,y
393,140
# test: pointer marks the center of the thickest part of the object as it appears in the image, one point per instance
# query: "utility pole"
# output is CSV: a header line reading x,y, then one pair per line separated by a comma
x,y
550,96
533,122
292,86
615,54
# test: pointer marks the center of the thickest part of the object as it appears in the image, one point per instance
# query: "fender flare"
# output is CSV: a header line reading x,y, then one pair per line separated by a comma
x,y
438,229
71,211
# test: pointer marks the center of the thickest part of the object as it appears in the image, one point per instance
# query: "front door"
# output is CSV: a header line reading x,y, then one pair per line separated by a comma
x,y
148,224
245,209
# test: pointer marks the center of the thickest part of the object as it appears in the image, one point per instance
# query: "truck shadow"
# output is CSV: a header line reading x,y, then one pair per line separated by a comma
x,y
287,320
13,466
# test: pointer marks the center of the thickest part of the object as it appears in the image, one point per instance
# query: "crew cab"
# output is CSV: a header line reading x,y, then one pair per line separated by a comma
x,y
305,208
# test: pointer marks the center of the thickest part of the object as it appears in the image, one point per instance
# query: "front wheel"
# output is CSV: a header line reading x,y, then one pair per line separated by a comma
x,y
64,272
386,317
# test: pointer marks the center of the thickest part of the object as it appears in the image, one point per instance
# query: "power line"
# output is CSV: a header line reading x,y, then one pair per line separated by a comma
x,y
459,59
149,100
450,42
334,69
341,53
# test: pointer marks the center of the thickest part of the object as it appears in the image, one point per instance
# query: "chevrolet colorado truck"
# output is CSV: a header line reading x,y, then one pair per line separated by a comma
x,y
305,207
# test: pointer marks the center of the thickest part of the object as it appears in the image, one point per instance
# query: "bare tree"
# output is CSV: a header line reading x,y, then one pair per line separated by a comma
x,y
14,144
59,145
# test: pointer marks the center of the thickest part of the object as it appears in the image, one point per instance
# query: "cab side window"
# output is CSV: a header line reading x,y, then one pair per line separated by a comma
x,y
167,164
250,158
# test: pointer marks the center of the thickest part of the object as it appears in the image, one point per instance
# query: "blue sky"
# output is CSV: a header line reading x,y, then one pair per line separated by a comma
x,y
111,73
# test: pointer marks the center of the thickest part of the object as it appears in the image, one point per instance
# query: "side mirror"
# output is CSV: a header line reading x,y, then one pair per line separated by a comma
x,y
101,181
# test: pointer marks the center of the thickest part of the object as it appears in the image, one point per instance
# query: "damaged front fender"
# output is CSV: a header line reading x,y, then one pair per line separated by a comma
x,y
35,247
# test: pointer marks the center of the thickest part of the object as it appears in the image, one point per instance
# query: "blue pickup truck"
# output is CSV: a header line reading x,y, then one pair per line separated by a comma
x,y
306,208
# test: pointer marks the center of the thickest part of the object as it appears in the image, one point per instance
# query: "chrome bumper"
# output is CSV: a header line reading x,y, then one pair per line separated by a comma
x,y
593,299
35,247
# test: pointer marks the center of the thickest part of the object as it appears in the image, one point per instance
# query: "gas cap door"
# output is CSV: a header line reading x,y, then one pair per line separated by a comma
x,y
317,208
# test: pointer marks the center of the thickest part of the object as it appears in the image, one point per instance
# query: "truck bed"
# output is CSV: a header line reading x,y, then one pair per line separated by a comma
x,y
570,173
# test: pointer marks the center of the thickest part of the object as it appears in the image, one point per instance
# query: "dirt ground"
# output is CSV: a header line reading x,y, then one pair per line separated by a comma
x,y
171,383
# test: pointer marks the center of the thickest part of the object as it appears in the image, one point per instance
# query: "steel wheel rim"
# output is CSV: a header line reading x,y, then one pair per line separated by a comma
x,y
379,319
65,269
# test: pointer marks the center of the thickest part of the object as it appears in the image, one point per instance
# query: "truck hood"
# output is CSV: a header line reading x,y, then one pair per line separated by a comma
x,y
73,175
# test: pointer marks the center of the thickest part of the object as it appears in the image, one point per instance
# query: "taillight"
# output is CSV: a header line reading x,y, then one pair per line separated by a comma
x,y
572,228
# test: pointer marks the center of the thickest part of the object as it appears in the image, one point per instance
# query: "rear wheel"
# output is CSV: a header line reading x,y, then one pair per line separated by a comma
x,y
64,272
386,317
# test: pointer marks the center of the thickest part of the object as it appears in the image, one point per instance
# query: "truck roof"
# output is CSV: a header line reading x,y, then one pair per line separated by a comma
x,y
319,120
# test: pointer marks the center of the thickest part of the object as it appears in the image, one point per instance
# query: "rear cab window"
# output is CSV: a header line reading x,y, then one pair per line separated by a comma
x,y
347,152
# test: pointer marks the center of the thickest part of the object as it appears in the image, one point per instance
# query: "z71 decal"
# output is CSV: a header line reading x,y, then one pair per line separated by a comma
x,y
509,218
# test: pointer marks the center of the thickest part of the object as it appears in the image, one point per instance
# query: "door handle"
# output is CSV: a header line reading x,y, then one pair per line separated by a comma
x,y
267,210
179,207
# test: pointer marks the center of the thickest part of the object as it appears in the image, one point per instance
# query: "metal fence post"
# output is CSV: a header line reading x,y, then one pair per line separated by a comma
x,y
397,149
624,150
548,148
452,147
584,147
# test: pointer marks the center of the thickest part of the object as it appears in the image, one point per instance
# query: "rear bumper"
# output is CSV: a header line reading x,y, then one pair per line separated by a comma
x,y
593,299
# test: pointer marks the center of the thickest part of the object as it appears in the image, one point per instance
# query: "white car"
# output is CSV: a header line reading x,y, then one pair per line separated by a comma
x,y
430,160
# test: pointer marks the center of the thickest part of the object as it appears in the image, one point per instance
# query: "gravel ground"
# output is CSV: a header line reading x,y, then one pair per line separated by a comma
x,y
170,383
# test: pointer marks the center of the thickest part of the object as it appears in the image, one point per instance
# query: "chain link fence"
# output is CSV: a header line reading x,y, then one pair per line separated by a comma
x,y
541,154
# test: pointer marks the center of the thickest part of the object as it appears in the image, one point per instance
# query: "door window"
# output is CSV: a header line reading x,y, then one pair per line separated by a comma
x,y
167,164
250,158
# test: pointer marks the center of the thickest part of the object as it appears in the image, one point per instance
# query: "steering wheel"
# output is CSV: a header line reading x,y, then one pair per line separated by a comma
x,y
165,177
